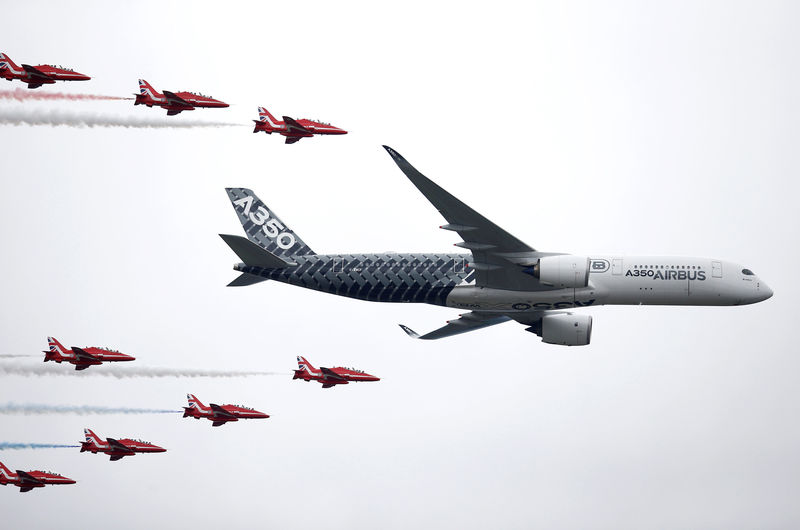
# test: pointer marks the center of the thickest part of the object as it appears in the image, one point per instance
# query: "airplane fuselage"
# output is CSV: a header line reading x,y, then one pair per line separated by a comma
x,y
447,280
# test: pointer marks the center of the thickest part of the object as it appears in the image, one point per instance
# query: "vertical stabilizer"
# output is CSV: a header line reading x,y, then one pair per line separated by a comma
x,y
263,227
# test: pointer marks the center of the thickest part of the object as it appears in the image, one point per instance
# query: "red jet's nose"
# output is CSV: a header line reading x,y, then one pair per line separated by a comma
x,y
81,77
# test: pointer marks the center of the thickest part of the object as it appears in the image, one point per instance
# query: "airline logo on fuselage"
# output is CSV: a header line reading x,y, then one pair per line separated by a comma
x,y
667,274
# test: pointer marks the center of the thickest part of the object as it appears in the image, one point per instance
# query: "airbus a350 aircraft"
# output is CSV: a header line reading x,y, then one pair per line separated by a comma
x,y
501,279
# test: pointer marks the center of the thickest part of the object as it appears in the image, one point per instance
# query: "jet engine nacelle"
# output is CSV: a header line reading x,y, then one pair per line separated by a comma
x,y
565,329
562,271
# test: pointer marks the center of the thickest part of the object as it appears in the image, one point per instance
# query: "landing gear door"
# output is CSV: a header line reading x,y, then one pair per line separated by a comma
x,y
716,269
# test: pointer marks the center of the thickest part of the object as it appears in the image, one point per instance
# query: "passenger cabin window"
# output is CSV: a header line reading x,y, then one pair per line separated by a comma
x,y
747,272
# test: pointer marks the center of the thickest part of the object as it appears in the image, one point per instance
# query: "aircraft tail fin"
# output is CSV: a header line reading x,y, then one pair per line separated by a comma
x,y
146,91
5,473
91,439
265,116
263,227
194,403
55,349
304,365
6,62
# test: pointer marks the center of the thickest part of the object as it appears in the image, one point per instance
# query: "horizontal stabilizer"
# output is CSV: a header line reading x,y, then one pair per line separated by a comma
x,y
252,254
246,279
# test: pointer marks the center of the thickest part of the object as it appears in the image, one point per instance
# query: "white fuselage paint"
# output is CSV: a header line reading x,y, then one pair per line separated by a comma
x,y
632,280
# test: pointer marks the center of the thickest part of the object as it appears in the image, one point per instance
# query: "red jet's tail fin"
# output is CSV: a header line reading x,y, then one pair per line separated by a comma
x,y
56,346
147,92
304,365
269,119
5,473
194,403
6,62
91,438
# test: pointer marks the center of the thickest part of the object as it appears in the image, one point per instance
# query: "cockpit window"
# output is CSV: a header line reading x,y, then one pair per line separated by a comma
x,y
747,272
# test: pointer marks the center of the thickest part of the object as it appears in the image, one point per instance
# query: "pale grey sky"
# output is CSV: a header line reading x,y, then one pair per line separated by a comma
x,y
621,127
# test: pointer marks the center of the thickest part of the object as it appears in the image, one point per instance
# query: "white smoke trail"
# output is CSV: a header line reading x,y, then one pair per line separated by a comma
x,y
15,445
21,94
58,118
38,408
15,355
120,372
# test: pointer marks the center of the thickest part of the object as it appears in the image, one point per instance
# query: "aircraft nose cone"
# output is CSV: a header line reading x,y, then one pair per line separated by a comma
x,y
764,291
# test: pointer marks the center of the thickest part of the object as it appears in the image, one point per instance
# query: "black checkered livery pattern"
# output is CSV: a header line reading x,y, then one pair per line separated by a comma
x,y
421,278
249,215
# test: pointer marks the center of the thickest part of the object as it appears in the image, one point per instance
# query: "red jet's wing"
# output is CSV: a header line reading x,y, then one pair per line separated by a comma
x,y
27,479
220,413
83,356
118,446
293,127
36,75
331,376
177,102
293,139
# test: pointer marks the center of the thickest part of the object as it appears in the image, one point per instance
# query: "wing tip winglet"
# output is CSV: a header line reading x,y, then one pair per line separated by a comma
x,y
394,154
410,332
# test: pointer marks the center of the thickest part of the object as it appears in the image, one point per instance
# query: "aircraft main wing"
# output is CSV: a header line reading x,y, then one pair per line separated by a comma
x,y
498,257
293,126
293,139
35,74
330,375
118,446
219,412
84,356
174,100
463,324
27,478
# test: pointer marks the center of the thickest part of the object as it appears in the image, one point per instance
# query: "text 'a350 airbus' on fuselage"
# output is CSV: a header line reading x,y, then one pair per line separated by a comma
x,y
501,279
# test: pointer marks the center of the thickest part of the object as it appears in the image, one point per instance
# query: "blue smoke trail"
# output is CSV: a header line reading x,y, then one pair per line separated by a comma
x,y
16,445
37,408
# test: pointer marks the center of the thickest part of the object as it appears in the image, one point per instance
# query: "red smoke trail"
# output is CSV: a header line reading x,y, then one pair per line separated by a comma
x,y
20,94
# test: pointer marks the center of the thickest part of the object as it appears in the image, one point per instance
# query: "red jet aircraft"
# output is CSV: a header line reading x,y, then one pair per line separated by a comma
x,y
36,76
116,449
330,376
174,102
82,358
292,129
27,480
219,414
